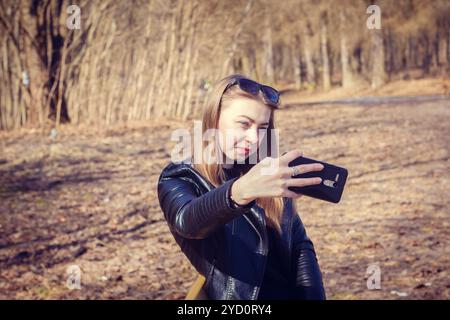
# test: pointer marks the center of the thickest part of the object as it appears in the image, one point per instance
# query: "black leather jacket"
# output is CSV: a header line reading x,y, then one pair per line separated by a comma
x,y
228,245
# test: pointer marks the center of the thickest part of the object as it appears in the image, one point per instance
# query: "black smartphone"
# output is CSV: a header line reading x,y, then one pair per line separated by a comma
x,y
332,185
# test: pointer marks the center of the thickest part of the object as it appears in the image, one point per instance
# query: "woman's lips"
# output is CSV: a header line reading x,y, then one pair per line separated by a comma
x,y
244,149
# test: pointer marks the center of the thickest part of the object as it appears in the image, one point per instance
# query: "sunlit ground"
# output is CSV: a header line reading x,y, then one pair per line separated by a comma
x,y
88,198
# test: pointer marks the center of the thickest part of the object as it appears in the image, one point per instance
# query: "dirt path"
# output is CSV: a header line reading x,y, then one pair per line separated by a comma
x,y
375,100
88,199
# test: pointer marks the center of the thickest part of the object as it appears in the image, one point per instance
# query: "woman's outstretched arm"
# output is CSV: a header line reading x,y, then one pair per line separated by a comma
x,y
196,216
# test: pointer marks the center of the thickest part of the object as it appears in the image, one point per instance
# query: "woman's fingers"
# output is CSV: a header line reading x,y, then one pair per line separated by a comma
x,y
304,168
302,182
289,156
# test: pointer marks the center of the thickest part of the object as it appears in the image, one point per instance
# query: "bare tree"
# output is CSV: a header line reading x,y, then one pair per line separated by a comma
x,y
325,57
147,59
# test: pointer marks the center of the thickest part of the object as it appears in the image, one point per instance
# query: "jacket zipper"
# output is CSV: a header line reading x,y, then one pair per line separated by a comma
x,y
265,250
290,237
210,273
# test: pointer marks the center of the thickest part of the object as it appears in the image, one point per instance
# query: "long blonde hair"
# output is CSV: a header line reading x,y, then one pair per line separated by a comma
x,y
213,171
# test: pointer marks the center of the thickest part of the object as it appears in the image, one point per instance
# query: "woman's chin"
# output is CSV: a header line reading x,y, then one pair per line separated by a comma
x,y
241,157
238,155
235,158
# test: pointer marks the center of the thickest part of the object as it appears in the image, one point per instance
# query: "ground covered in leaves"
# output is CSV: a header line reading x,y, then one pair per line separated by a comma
x,y
88,198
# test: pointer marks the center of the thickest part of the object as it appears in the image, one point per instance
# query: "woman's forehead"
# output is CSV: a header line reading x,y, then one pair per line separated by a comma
x,y
250,108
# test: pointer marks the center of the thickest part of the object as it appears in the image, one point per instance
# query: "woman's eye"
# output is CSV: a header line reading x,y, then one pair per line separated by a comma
x,y
244,123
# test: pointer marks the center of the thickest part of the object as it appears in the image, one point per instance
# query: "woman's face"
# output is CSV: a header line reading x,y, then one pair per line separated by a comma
x,y
240,122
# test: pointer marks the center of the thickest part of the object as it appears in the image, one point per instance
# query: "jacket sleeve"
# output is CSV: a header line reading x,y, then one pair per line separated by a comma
x,y
196,216
308,278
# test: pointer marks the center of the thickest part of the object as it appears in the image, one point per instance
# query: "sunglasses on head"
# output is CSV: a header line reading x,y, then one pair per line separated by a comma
x,y
271,95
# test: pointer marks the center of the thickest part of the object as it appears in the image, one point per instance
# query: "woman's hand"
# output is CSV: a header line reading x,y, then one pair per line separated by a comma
x,y
272,177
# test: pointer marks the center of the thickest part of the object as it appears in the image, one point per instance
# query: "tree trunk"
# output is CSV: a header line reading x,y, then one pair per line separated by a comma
x,y
448,47
436,47
325,57
297,62
307,48
186,76
391,53
268,51
237,34
32,53
347,77
426,59
378,67
284,62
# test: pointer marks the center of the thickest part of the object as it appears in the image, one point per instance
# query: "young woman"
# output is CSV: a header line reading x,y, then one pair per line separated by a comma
x,y
233,218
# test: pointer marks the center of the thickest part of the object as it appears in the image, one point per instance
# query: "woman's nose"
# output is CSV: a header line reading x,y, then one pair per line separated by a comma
x,y
252,135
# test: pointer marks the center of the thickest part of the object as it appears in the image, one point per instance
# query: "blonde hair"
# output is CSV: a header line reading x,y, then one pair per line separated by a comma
x,y
213,171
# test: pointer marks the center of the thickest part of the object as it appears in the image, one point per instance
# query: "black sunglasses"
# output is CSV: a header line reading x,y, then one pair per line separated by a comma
x,y
271,95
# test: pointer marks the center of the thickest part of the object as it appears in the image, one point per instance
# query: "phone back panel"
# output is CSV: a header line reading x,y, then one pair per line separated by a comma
x,y
332,185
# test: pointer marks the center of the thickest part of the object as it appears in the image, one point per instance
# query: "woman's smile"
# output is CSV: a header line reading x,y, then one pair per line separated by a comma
x,y
245,148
